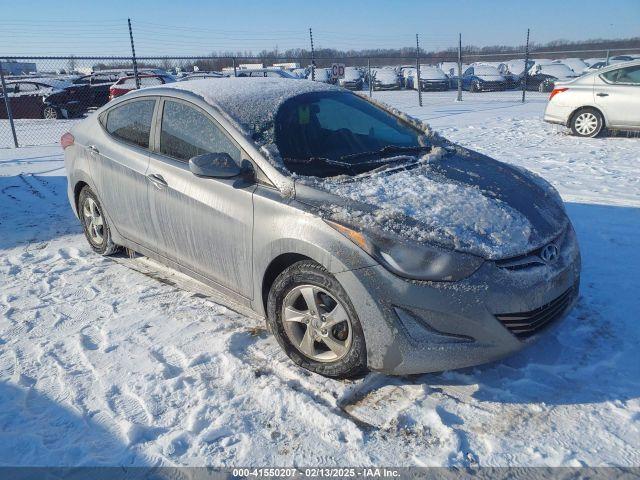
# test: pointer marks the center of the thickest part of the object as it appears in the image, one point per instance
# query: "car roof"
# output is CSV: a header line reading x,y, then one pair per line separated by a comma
x,y
615,66
249,103
51,82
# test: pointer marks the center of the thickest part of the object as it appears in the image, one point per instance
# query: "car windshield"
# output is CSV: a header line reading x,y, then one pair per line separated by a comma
x,y
486,70
330,133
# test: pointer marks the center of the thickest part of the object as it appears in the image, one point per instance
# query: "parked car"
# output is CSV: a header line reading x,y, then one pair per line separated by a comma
x,y
322,75
301,235
44,98
608,98
451,71
483,78
544,77
352,79
299,72
200,76
98,85
431,78
265,72
127,84
385,79
575,64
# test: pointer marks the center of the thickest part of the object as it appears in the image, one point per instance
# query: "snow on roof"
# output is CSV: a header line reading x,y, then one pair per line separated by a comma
x,y
250,103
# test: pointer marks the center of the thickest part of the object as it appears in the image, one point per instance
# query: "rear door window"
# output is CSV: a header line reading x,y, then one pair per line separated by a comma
x,y
627,76
131,122
188,132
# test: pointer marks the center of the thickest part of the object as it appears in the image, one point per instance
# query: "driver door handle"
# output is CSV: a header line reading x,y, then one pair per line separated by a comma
x,y
602,94
157,180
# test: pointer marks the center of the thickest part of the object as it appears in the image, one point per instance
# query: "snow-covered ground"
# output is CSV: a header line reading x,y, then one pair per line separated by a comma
x,y
119,362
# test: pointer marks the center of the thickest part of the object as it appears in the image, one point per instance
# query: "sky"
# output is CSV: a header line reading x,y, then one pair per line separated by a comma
x,y
163,27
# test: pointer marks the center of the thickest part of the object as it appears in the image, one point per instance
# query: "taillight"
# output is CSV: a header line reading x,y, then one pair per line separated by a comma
x,y
66,140
556,91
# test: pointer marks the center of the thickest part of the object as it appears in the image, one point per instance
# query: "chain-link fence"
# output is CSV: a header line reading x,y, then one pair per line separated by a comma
x,y
42,97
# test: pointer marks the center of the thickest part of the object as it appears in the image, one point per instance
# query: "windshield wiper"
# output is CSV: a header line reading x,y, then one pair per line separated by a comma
x,y
389,149
320,160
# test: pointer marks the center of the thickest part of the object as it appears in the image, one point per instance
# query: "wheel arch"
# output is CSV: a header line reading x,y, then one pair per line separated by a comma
x,y
278,265
605,122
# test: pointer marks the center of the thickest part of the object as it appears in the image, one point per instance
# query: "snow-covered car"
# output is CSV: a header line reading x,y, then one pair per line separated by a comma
x,y
608,98
352,79
299,72
385,79
44,98
127,84
431,78
367,241
575,64
322,75
200,76
451,71
543,77
483,78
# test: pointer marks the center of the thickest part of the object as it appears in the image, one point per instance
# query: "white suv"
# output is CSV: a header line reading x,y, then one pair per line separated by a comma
x,y
608,98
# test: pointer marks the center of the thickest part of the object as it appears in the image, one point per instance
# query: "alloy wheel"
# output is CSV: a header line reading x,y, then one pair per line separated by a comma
x,y
93,220
50,113
316,323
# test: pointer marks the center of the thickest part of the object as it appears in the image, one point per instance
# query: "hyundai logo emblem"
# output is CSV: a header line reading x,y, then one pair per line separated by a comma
x,y
549,253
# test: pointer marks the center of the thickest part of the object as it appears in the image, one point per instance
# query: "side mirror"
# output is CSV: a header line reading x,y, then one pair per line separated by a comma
x,y
214,165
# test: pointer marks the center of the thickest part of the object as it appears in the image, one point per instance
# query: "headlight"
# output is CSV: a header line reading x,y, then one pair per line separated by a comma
x,y
408,259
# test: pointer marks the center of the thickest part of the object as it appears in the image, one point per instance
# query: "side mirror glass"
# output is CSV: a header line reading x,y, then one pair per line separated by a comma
x,y
214,165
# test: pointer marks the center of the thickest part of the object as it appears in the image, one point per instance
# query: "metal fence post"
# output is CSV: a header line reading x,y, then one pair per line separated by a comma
x,y
133,56
459,99
608,54
418,70
7,104
313,61
526,68
235,68
369,77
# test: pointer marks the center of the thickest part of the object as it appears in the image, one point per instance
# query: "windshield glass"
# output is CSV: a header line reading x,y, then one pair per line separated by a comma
x,y
486,70
327,133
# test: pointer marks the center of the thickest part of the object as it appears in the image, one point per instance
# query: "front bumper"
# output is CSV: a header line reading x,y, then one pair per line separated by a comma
x,y
434,86
418,327
379,86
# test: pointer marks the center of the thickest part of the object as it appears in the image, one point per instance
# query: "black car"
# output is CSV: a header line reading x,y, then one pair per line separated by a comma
x,y
483,78
98,83
546,75
44,98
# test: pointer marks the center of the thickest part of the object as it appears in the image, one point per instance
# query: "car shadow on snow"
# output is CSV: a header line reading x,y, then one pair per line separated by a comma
x,y
36,430
592,355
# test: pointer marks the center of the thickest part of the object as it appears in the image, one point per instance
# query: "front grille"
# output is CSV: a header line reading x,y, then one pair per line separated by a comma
x,y
525,324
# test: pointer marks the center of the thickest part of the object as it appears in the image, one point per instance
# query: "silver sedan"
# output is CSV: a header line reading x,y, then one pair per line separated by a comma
x,y
365,240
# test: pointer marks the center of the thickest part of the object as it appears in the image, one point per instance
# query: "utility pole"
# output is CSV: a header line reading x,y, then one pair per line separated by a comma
x,y
7,105
313,61
459,67
418,70
133,56
526,67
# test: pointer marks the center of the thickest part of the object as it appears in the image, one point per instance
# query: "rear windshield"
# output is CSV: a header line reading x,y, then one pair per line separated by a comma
x,y
339,127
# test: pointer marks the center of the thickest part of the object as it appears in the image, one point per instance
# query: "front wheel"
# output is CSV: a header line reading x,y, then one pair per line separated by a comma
x,y
314,322
587,122
94,223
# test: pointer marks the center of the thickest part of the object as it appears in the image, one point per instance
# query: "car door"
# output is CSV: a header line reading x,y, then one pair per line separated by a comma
x,y
617,92
26,101
119,167
204,224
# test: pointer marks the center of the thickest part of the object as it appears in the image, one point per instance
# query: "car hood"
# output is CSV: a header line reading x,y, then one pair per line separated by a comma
x,y
452,197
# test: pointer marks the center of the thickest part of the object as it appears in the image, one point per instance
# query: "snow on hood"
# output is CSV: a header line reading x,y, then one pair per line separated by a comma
x,y
250,103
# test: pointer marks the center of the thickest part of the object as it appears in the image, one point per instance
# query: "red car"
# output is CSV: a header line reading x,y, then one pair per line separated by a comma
x,y
126,84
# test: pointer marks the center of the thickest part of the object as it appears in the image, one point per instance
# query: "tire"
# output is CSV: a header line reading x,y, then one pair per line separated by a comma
x,y
474,87
542,87
94,223
293,322
50,113
587,122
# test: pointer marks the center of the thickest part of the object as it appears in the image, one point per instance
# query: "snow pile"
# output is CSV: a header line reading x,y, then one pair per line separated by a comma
x,y
423,205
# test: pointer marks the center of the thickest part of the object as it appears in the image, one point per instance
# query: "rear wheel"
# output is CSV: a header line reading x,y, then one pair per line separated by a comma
x,y
94,223
587,122
50,113
475,87
314,322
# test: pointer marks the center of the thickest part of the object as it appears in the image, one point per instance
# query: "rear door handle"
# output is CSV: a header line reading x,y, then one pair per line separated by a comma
x,y
157,180
602,94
